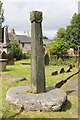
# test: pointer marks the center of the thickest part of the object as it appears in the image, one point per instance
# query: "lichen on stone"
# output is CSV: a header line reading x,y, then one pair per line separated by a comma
x,y
36,16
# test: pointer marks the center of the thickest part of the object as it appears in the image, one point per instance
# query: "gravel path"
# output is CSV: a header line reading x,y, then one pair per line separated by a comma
x,y
71,87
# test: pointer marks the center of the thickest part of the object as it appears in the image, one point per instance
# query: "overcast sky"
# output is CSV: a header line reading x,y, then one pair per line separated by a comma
x,y
56,14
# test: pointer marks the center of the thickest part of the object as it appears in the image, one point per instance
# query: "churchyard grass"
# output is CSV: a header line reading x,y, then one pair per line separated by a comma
x,y
19,70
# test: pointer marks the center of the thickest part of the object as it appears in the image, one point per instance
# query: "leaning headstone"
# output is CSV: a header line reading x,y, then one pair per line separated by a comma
x,y
54,73
70,66
68,70
10,58
62,70
73,65
37,59
46,59
60,83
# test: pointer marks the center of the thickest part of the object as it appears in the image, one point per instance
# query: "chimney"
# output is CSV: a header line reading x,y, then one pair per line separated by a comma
x,y
27,34
13,31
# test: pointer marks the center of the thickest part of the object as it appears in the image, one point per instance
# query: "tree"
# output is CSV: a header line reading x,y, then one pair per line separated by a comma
x,y
69,37
60,33
1,14
72,36
59,47
15,48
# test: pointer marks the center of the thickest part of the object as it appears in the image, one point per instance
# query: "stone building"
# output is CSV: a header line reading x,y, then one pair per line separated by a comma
x,y
24,40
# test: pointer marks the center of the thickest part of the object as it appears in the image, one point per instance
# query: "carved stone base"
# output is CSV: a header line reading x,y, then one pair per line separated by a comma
x,y
51,100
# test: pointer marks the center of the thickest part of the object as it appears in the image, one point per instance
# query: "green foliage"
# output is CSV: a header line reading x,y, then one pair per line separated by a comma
x,y
59,61
1,13
44,37
67,38
73,32
15,47
60,33
56,61
59,47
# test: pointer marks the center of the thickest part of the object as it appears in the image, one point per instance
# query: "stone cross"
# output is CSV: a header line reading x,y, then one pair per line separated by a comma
x,y
37,59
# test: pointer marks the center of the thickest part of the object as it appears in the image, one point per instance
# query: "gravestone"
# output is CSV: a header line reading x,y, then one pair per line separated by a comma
x,y
3,63
37,59
60,83
62,70
54,73
68,69
70,66
10,58
46,59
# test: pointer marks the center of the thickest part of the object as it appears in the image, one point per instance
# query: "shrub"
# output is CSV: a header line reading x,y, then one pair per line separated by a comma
x,y
59,61
15,48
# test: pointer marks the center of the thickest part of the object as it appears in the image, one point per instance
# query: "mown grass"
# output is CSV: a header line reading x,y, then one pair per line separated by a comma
x,y
11,111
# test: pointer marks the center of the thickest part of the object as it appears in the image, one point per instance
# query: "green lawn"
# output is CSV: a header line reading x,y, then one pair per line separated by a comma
x,y
11,111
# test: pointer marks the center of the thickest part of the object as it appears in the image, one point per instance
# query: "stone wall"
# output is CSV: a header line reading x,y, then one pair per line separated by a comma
x,y
26,47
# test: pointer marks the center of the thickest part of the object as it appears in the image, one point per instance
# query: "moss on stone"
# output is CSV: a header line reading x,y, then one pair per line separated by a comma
x,y
36,16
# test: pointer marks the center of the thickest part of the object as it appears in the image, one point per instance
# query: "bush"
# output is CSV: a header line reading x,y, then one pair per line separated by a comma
x,y
24,56
15,48
59,61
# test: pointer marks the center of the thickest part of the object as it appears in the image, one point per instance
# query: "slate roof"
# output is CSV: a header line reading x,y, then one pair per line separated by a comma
x,y
25,39
21,38
10,36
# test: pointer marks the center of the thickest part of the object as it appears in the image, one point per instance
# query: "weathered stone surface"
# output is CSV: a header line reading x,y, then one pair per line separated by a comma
x,y
36,16
46,56
3,63
70,66
54,73
68,69
60,83
52,100
62,70
10,58
37,53
4,55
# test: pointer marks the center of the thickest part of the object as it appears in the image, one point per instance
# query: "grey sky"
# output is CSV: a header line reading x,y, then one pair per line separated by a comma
x,y
56,14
